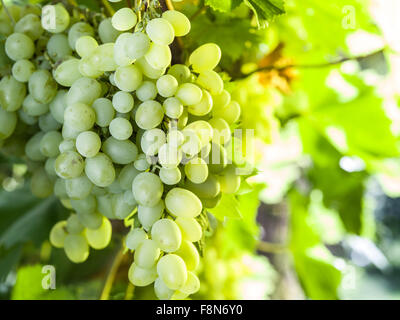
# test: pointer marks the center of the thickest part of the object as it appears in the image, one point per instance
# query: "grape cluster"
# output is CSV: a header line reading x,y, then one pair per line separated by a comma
x,y
116,132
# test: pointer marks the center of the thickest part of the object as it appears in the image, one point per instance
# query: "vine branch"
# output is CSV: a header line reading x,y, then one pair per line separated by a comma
x,y
8,12
268,247
105,294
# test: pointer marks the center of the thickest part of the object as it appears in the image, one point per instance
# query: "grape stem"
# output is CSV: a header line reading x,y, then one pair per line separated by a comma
x,y
105,294
268,247
109,9
198,12
309,66
8,12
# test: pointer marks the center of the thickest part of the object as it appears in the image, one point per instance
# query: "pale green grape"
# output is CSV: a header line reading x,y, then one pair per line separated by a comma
x,y
79,116
134,238
152,140
41,184
162,291
120,151
67,145
149,114
173,108
205,57
32,147
196,170
203,107
78,188
58,105
69,165
146,91
91,220
86,205
100,170
128,78
221,100
55,18
88,68
107,32
222,131
183,203
211,81
229,180
76,248
78,30
192,144
189,94
103,58
160,31
19,46
124,19
126,176
175,138
59,189
167,86
137,45
217,159
159,56
169,156
104,111
48,123
149,215
58,234
230,113
26,118
49,167
67,72
141,163
189,254
141,277
183,119
84,90
12,93
172,271
146,254
122,101
179,22
58,47
190,228
180,72
69,133
120,52
192,284
42,86
100,238
88,144
49,144
202,129
167,235
115,188
147,189
30,25
207,190
170,176
74,226
148,70
129,198
22,70
122,208
33,108
85,46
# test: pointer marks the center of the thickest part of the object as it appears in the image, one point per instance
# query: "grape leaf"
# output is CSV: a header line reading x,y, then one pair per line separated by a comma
x,y
265,10
223,5
228,207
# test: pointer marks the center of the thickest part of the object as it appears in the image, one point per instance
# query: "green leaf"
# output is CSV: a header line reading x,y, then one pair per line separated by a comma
x,y
223,5
266,10
8,260
227,207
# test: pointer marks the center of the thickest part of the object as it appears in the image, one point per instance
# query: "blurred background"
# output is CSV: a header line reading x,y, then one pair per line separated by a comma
x,y
320,85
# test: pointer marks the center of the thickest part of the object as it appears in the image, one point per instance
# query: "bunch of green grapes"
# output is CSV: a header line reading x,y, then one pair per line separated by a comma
x,y
117,132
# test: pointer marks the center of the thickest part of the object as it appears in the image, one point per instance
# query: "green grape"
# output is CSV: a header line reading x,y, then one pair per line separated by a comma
x,y
196,170
29,25
120,151
124,19
115,187
86,205
180,72
162,291
100,170
192,144
88,144
58,234
202,129
104,112
203,107
141,163
129,198
91,220
160,31
85,46
211,81
69,165
190,228
78,188
49,167
41,184
32,147
103,57
222,131
107,32
169,156
128,78
126,176
149,215
19,46
183,119
217,159
134,238
26,118
229,180
84,90
230,113
152,140
58,105
88,68
67,145
58,47
120,52
183,203
42,86
149,115
98,191
159,56
49,144
141,277
175,138
76,248
173,108
172,271
147,189
69,133
79,116
189,94
179,22
167,235
122,101
167,86
137,45
104,205
22,70
148,70
100,238
60,190
221,100
208,189
146,254
170,176
120,207
146,91
34,108
78,30
67,72
192,284
48,123
55,18
205,57
12,93
121,129
189,254
8,122
74,226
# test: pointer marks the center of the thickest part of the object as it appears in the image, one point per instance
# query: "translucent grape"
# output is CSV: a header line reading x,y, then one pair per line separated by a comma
x,y
159,56
230,113
85,46
67,72
189,254
128,78
79,116
170,176
22,70
19,46
122,101
189,94
190,228
55,18
167,235
179,22
58,47
146,254
147,189
167,85
152,140
180,72
41,184
160,31
69,165
78,30
49,144
104,111
135,237
74,226
91,220
146,91
78,188
100,170
76,248
86,205
203,107
58,234
172,271
120,151
30,25
196,170
211,81
100,238
107,32
88,144
149,114
42,86
126,176
149,215
161,290
141,277
12,93
192,284
183,203
137,45
124,19
32,147
205,57
148,70
173,108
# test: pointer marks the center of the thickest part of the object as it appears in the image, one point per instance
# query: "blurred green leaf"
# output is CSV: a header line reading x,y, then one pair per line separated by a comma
x,y
8,260
266,10
223,5
227,207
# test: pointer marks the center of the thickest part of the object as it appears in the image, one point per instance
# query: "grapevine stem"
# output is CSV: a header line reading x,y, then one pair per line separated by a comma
x,y
8,12
105,294
169,5
129,4
129,291
198,12
268,247
108,7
